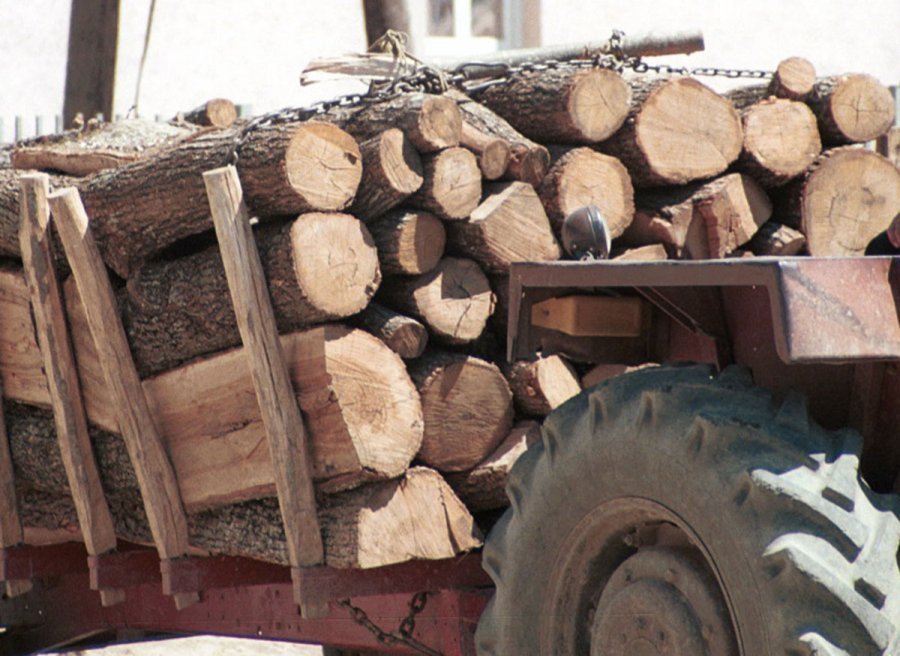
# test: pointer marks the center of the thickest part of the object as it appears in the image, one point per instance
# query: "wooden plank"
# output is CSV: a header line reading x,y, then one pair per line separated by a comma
x,y
154,471
591,316
91,63
11,532
94,516
274,392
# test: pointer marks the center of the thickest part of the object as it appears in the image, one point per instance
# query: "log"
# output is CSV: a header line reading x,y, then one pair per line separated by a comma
x,y
209,418
392,171
581,177
846,197
493,153
285,168
602,372
403,335
216,113
454,300
562,105
9,212
510,225
430,122
409,242
383,523
484,487
97,147
678,130
467,405
776,239
852,108
666,216
319,267
528,161
452,184
794,79
649,253
781,140
733,208
541,384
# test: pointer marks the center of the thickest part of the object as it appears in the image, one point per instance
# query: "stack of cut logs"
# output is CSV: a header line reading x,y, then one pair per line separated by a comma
x,y
386,231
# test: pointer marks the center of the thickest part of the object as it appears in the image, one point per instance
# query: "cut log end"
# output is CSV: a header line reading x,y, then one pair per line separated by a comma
x,y
794,78
323,166
542,384
217,113
452,187
438,125
852,108
598,104
781,140
409,242
528,164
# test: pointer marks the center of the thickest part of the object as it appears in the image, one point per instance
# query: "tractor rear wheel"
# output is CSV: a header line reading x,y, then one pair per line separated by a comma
x,y
674,512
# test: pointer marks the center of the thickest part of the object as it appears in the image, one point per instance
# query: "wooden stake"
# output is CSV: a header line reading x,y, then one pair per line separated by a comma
x,y
11,532
159,488
274,392
94,516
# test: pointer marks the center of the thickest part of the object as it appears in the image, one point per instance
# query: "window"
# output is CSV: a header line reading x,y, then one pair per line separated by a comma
x,y
455,28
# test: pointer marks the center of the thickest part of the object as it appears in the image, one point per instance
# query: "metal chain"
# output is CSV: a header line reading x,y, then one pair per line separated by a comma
x,y
404,633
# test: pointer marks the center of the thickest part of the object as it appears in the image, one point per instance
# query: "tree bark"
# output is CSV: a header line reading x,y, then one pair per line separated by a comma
x,y
319,267
794,79
528,160
484,487
454,300
563,105
845,198
678,130
430,122
510,225
409,242
403,335
452,185
216,113
777,240
581,177
467,405
852,108
781,140
493,153
392,171
541,385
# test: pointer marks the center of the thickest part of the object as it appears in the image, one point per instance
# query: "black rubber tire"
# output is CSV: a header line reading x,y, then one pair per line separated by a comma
x,y
804,552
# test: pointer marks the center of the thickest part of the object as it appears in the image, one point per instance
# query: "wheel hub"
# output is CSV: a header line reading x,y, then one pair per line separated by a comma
x,y
661,602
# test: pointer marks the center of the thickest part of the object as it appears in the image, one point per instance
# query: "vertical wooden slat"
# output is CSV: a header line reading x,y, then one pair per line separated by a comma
x,y
94,516
91,64
11,532
274,392
156,477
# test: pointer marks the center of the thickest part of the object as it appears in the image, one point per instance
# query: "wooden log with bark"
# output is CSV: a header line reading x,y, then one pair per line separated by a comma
x,y
528,160
285,168
777,239
467,406
409,242
214,113
678,130
452,184
392,171
541,384
430,122
583,176
852,108
510,225
403,335
781,140
794,79
319,267
493,153
454,300
484,487
845,198
10,211
562,105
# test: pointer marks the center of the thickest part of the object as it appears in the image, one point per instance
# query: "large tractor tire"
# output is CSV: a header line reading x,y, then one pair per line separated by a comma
x,y
674,512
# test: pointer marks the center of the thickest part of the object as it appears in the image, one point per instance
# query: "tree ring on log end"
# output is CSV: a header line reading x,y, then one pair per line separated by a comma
x,y
599,103
440,122
340,245
862,107
400,162
323,165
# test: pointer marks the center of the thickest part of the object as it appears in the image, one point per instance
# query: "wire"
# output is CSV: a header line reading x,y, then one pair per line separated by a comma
x,y
137,90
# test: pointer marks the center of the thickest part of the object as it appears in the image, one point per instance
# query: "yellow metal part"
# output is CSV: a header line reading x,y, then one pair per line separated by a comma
x,y
591,316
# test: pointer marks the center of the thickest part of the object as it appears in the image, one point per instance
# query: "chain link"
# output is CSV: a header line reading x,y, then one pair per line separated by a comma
x,y
404,633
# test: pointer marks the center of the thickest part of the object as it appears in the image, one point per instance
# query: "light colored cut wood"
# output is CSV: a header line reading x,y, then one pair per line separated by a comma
x,y
510,225
11,530
409,242
732,208
467,405
852,108
159,487
392,171
484,487
403,335
493,153
591,316
542,384
452,186
602,372
794,78
94,517
216,113
21,366
454,300
648,253
278,407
